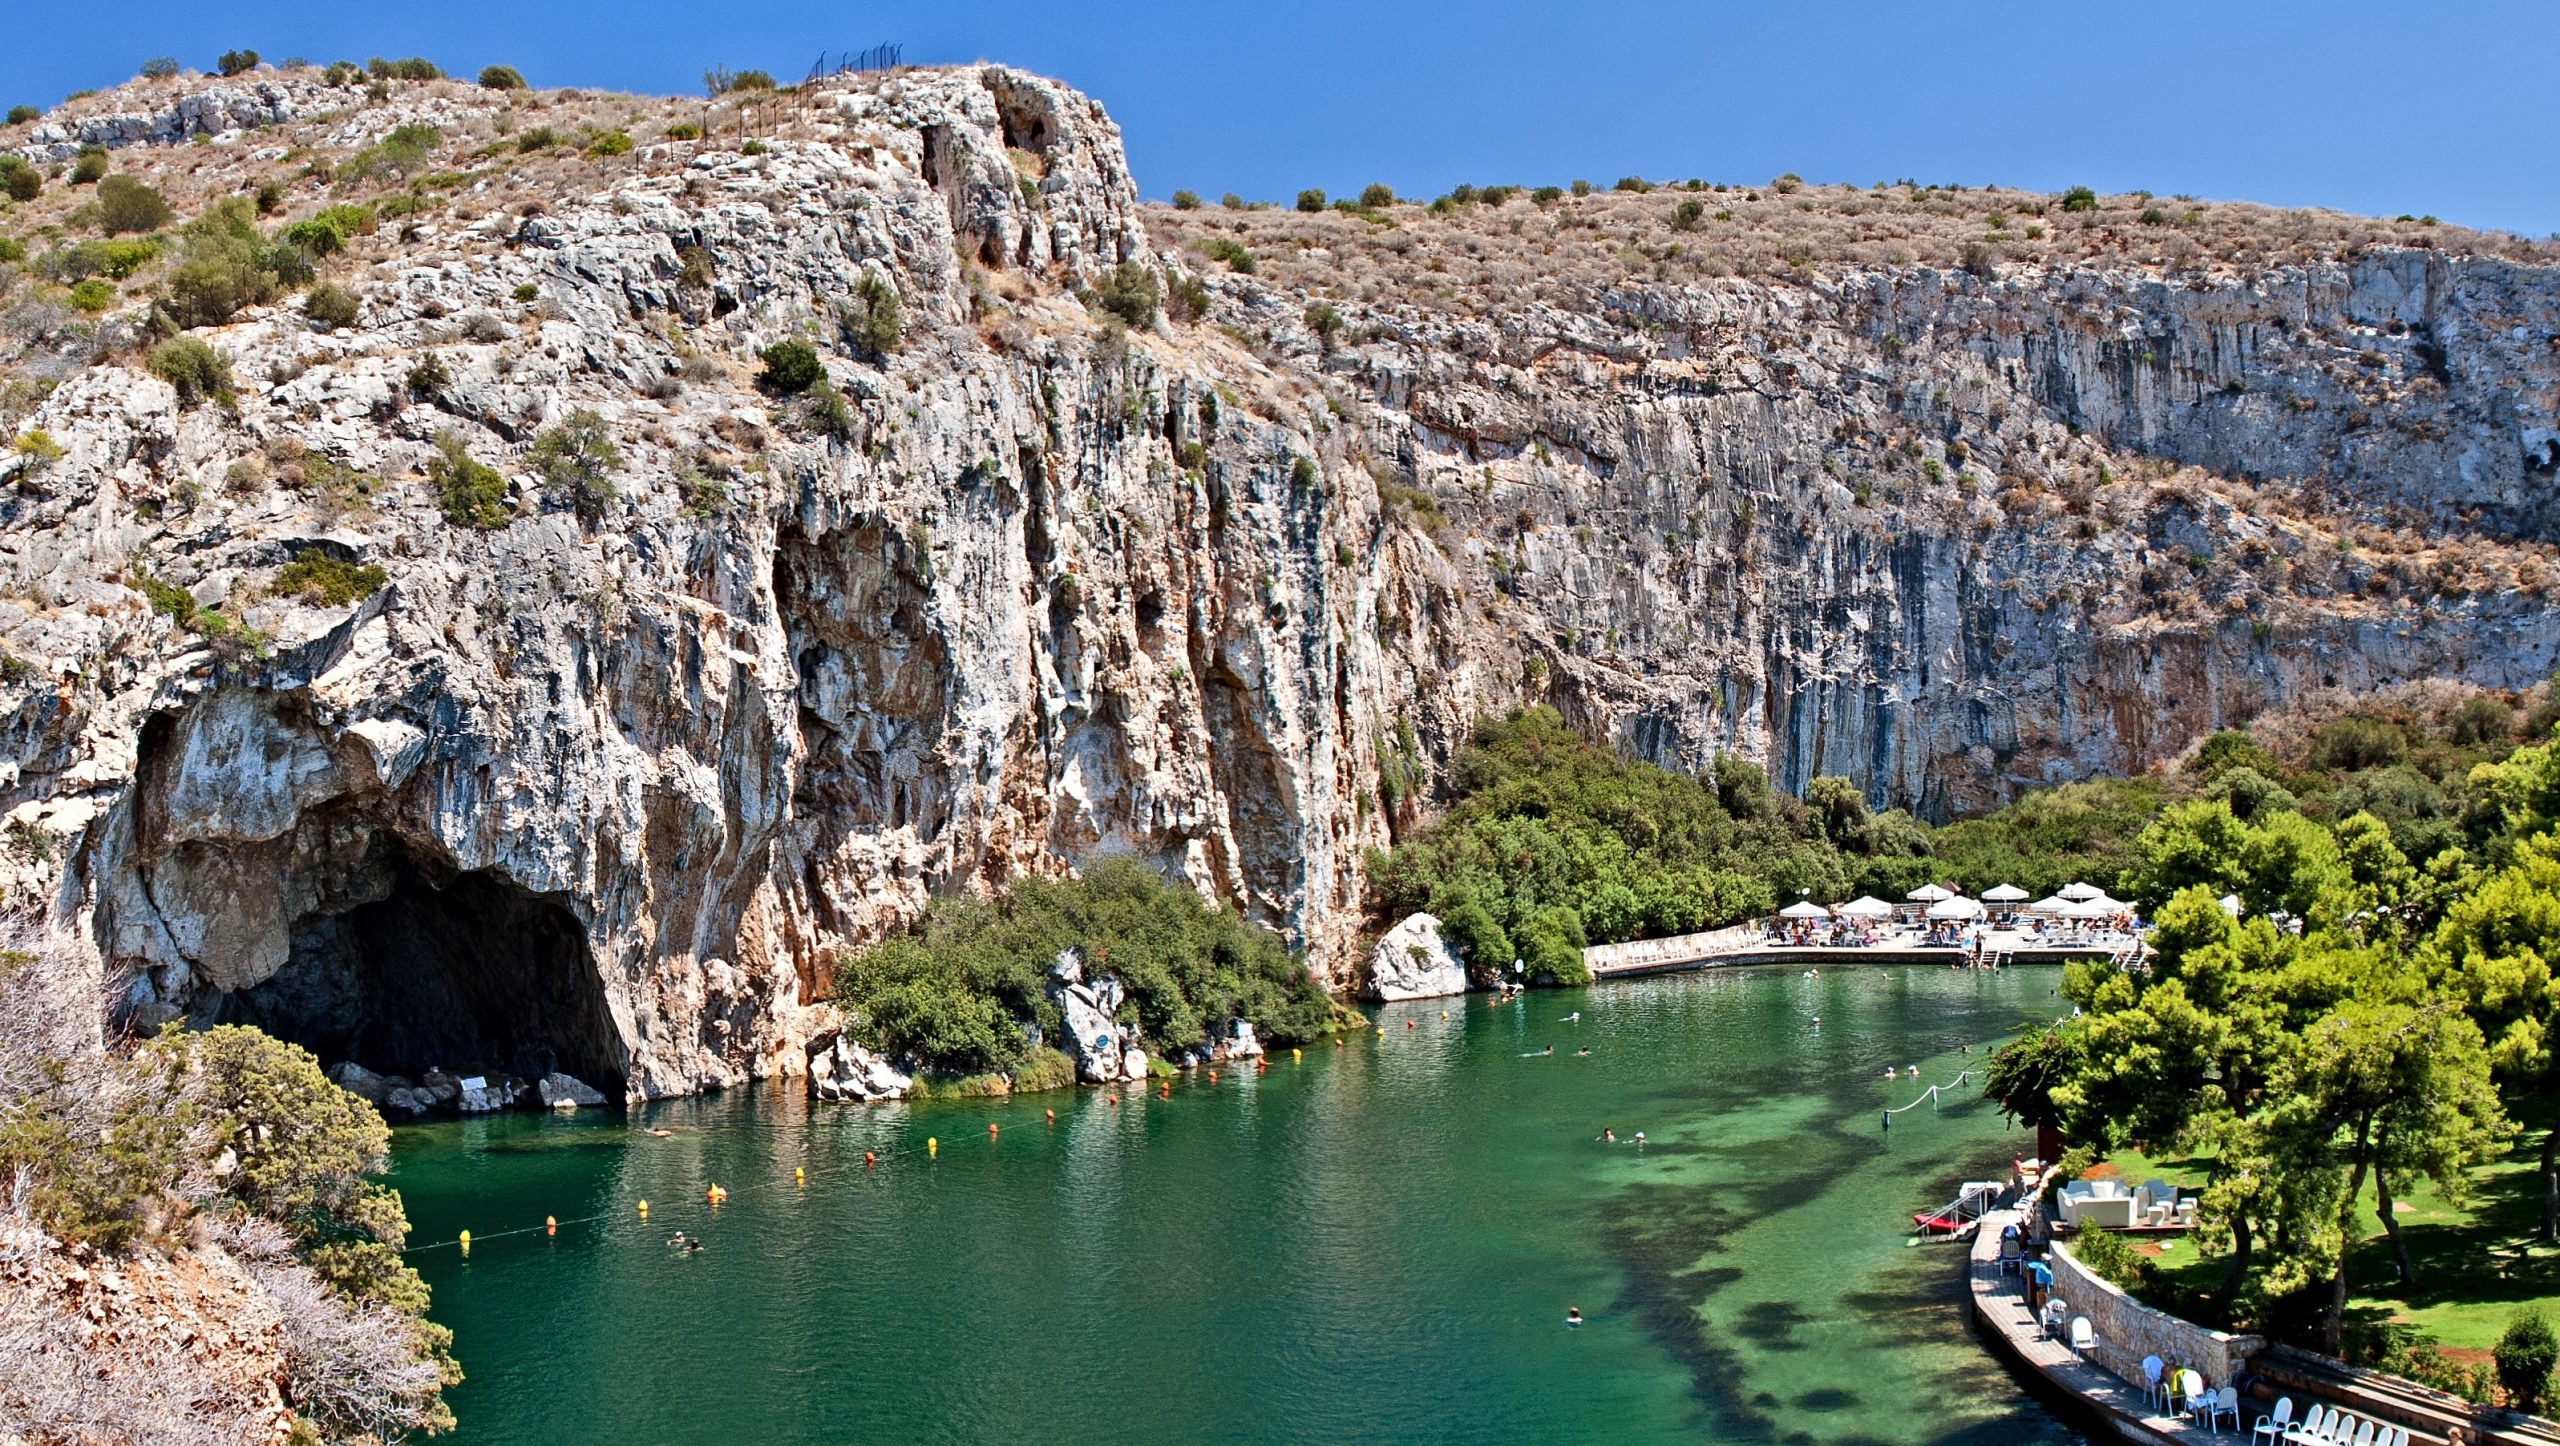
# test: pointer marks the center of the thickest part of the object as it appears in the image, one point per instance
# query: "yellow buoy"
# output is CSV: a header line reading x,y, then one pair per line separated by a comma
x,y
932,1146
466,1242
644,1209
550,1224
1293,1054
799,1176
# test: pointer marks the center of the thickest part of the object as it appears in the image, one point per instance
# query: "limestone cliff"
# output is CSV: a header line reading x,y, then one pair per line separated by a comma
x,y
603,789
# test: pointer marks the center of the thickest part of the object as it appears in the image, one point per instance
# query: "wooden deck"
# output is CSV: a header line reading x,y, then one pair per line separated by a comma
x,y
2117,1406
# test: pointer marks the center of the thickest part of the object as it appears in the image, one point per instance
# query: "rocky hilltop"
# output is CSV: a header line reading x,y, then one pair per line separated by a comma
x,y
1198,534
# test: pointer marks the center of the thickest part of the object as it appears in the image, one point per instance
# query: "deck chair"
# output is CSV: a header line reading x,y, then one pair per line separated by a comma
x,y
2153,1388
2226,1402
2313,1428
2084,1336
2273,1426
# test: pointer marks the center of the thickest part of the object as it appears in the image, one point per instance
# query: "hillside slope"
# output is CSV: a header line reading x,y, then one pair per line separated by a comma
x,y
609,758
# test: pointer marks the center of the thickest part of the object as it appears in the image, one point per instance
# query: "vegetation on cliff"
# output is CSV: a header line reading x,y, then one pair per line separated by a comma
x,y
963,992
222,1155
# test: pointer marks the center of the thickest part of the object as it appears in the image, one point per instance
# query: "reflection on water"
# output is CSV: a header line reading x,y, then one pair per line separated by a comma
x,y
1374,1243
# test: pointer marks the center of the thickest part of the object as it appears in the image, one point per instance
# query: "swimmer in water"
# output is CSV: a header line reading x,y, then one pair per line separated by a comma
x,y
1608,1136
1639,1137
676,1240
1550,1049
1573,1315
1582,1052
693,1245
661,1134
1574,1018
1817,1021
1889,1074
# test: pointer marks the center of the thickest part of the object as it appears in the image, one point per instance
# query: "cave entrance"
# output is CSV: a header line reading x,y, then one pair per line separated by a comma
x,y
442,970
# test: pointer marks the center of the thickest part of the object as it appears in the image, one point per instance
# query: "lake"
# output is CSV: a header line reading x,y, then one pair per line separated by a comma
x,y
1375,1242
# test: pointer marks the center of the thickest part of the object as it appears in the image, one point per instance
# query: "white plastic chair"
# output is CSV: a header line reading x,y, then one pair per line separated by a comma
x,y
2273,1426
2226,1402
2364,1433
2191,1390
2084,1336
2153,1388
2314,1428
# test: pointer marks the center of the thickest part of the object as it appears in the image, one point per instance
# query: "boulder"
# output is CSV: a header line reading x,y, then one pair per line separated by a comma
x,y
1412,961
840,1069
409,1099
444,1088
566,1092
363,1083
1133,1065
1094,1037
483,1094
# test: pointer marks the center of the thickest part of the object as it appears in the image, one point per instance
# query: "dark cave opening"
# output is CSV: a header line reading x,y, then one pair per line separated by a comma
x,y
465,972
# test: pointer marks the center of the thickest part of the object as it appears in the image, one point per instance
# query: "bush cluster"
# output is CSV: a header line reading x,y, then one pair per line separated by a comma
x,y
1130,293
327,232
327,580
227,265
501,77
18,180
577,461
963,992
469,493
331,307
873,324
191,365
236,62
791,367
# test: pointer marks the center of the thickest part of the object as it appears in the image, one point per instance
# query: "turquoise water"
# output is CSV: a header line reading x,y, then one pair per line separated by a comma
x,y
1376,1243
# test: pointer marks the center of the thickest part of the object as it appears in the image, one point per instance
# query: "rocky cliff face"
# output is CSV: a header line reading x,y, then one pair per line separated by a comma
x,y
602,791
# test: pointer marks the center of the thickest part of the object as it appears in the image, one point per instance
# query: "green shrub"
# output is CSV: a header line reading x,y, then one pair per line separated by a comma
x,y
1547,195
1324,321
1687,215
2079,198
540,138
193,367
791,367
21,114
1186,200
12,249
1636,184
577,461
331,307
127,205
2112,1259
2525,1355
227,265
959,992
342,72
93,295
159,68
1311,199
327,232
501,77
400,153
89,166
2153,216
1377,195
325,580
1229,250
412,68
683,131
874,324
117,260
752,148
609,143
822,411
428,378
526,291
18,180
236,62
469,493
1130,293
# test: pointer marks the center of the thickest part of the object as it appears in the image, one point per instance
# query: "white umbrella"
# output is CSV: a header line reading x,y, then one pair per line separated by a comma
x,y
1804,909
2076,892
2112,906
1865,906
2097,908
2004,894
2231,905
2054,905
1955,907
1929,894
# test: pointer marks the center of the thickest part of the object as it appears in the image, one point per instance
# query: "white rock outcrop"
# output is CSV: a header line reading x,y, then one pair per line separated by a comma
x,y
840,1069
563,1092
1412,961
1099,1043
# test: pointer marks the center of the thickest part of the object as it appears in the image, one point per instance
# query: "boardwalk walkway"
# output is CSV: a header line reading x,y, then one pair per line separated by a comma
x,y
1749,944
2000,1308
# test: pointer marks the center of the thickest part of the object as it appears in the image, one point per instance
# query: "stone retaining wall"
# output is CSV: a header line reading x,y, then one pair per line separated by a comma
x,y
2128,1330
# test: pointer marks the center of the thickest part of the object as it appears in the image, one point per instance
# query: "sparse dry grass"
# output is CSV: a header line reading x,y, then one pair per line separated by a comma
x,y
1477,258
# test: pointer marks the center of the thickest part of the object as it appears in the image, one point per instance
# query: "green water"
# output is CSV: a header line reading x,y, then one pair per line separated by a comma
x,y
1377,1243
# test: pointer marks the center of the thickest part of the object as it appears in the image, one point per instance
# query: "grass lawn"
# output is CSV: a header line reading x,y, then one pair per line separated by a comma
x,y
2477,1263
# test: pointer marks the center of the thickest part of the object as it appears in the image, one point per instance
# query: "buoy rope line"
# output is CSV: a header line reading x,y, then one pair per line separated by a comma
x,y
640,1209
1929,1096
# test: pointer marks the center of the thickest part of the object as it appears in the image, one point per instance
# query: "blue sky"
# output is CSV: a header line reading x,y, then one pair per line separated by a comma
x,y
2439,109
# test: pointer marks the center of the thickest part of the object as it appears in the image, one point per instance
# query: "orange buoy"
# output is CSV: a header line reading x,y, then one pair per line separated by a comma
x,y
1165,1091
1408,1024
869,1159
715,1194
1052,1114
550,1225
1115,1102
1213,1076
991,1129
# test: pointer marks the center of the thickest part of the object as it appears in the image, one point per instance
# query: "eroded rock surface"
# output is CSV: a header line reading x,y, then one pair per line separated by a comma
x,y
601,795
1413,961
